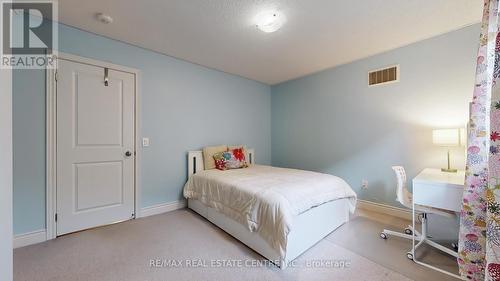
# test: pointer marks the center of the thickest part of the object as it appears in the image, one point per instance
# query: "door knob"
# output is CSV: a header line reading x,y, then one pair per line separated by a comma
x,y
128,153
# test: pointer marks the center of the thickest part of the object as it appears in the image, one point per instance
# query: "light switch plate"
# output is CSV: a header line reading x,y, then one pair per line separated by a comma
x,y
145,142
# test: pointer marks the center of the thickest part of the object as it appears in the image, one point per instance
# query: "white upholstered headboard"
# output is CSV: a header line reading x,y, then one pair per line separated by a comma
x,y
195,160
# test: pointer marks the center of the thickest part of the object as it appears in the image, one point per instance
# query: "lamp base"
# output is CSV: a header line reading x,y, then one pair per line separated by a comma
x,y
448,170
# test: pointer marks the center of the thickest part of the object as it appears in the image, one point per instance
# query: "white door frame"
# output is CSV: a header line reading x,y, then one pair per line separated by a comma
x,y
51,186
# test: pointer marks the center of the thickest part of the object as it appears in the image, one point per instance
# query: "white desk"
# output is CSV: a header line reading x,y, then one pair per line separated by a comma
x,y
434,188
437,189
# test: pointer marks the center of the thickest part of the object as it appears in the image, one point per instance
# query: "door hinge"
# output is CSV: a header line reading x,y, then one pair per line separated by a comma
x,y
55,217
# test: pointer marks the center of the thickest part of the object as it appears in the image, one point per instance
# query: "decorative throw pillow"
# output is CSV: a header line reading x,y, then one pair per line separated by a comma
x,y
233,147
233,159
208,155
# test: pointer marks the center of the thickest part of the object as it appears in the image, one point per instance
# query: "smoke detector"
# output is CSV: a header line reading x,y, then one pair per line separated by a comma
x,y
106,19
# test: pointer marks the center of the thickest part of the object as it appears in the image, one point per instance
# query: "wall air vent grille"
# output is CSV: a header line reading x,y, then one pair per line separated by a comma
x,y
383,76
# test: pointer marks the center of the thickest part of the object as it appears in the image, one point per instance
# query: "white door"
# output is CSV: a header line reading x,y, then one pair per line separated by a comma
x,y
95,146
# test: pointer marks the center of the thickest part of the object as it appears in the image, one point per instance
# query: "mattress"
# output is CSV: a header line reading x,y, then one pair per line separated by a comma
x,y
266,199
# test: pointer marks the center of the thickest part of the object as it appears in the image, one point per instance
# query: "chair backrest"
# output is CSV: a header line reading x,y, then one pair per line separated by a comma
x,y
402,194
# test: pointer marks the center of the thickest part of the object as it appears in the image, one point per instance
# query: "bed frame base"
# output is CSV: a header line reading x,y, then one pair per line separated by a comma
x,y
308,229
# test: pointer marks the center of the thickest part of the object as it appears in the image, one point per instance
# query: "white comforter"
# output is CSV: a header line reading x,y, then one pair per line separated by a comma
x,y
265,198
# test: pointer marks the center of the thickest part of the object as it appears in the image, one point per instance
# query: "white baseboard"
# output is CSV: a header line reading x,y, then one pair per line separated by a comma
x,y
384,209
162,208
25,239
39,236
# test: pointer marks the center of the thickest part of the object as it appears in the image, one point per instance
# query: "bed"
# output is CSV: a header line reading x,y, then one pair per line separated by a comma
x,y
267,208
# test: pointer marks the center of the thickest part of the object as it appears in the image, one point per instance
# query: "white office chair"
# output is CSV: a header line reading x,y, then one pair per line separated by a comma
x,y
405,198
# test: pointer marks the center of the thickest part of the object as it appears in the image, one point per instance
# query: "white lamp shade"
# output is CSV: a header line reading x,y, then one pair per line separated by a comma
x,y
446,137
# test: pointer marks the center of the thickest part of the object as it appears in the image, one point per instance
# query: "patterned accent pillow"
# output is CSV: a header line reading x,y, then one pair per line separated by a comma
x,y
233,159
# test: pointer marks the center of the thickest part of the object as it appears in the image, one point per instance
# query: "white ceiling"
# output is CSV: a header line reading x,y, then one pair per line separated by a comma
x,y
318,34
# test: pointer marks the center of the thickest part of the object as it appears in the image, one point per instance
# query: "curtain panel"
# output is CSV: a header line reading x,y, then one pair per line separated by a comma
x,y
493,191
479,241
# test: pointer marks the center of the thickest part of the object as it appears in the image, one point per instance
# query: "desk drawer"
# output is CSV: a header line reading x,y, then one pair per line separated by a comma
x,y
443,196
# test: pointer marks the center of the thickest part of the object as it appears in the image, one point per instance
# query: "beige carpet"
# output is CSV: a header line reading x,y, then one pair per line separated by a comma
x,y
188,247
361,235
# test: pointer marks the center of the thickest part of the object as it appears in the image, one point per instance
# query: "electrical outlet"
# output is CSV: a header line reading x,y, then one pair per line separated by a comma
x,y
145,142
364,184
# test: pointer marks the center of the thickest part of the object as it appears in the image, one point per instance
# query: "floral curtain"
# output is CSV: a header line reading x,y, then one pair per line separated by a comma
x,y
479,238
493,191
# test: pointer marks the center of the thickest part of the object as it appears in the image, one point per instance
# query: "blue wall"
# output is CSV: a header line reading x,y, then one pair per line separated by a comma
x,y
330,121
184,107
28,118
333,122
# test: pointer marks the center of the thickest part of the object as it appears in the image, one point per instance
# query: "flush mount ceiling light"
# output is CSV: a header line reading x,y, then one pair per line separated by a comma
x,y
270,21
106,19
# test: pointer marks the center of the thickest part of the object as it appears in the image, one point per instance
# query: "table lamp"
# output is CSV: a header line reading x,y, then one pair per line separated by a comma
x,y
447,138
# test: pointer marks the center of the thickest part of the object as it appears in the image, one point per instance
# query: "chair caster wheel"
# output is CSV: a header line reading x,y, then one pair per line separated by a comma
x,y
383,235
408,231
409,255
454,246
